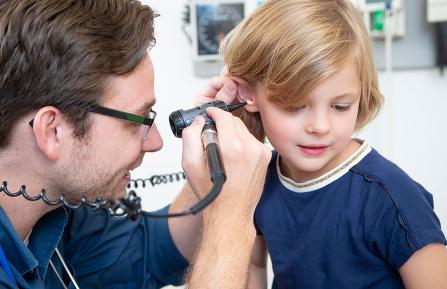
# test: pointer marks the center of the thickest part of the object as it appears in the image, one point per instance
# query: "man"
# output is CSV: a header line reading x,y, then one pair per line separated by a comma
x,y
64,64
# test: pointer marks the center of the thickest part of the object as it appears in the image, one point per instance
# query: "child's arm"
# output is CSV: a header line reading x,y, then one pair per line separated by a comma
x,y
257,274
427,268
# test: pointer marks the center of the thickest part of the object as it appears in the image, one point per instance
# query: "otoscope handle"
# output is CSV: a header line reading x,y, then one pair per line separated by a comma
x,y
213,156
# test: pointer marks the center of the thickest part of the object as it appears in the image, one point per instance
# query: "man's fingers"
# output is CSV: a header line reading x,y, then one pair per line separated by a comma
x,y
228,93
216,83
225,124
239,80
219,88
192,143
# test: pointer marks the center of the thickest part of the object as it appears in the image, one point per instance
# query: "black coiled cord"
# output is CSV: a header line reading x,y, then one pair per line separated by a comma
x,y
157,180
130,205
96,204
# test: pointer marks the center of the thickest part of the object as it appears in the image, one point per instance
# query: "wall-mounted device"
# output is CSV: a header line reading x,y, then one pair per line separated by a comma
x,y
375,13
437,13
206,23
437,10
211,21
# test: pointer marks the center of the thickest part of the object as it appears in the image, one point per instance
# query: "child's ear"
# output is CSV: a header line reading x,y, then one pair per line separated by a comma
x,y
247,92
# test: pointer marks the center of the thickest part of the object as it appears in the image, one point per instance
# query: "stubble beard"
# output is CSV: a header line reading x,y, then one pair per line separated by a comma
x,y
89,178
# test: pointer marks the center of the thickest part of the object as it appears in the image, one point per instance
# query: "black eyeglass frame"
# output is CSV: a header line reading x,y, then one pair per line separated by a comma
x,y
144,120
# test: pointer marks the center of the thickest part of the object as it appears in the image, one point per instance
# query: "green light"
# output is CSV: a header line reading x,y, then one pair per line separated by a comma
x,y
378,19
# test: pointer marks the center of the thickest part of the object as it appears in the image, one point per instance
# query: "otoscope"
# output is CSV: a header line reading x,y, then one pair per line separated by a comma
x,y
181,119
130,205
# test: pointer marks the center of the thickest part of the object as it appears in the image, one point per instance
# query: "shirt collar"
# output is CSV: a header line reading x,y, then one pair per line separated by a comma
x,y
43,241
328,177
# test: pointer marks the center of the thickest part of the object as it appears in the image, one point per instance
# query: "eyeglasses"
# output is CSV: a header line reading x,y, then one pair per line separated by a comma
x,y
147,121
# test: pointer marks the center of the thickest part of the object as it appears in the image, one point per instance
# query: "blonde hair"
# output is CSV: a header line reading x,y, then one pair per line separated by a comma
x,y
290,46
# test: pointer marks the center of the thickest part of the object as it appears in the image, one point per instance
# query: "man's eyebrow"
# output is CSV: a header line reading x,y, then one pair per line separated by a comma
x,y
144,109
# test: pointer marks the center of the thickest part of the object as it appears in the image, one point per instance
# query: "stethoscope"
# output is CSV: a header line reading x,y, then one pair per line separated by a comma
x,y
4,263
72,279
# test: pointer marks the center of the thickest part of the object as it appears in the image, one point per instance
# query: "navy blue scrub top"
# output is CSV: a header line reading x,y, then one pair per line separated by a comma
x,y
101,251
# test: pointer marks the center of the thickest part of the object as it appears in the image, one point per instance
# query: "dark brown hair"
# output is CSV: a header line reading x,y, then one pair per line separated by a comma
x,y
62,52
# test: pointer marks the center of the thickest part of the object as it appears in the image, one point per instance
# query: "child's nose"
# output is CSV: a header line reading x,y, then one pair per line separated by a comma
x,y
318,123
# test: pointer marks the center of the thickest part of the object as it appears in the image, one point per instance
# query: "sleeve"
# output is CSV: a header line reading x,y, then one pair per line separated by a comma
x,y
110,252
400,220
165,258
5,281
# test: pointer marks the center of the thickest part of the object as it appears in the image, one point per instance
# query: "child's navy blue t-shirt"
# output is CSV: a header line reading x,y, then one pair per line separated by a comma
x,y
355,230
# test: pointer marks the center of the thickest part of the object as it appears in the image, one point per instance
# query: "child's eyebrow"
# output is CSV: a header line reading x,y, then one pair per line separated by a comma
x,y
344,95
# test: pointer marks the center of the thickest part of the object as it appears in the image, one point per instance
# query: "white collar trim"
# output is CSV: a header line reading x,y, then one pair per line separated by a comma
x,y
328,177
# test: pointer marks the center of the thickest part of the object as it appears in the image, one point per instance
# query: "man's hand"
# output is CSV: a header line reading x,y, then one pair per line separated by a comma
x,y
223,87
228,233
245,160
185,231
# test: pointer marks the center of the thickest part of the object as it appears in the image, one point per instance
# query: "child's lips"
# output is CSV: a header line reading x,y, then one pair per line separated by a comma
x,y
313,150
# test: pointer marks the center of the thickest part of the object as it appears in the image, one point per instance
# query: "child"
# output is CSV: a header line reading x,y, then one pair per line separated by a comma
x,y
334,212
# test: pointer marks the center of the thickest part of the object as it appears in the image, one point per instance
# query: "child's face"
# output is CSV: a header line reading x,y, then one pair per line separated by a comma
x,y
315,137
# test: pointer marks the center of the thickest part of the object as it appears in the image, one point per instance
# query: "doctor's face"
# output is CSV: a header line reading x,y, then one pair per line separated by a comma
x,y
100,164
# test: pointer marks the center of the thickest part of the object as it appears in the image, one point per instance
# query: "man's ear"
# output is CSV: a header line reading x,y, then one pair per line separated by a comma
x,y
47,126
247,92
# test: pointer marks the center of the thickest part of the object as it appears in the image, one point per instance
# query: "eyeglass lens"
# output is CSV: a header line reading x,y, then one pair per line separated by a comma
x,y
146,128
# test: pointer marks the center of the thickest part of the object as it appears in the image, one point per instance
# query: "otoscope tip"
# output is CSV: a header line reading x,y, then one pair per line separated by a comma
x,y
235,106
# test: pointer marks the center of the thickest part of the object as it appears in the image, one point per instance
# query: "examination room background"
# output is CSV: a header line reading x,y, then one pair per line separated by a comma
x,y
411,130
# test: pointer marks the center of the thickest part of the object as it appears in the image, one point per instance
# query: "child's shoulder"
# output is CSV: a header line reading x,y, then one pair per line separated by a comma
x,y
393,193
397,202
376,168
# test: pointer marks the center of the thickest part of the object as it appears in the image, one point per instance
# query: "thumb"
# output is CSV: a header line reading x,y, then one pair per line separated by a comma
x,y
192,144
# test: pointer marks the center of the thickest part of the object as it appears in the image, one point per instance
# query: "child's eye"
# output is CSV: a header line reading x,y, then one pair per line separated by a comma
x,y
341,107
295,109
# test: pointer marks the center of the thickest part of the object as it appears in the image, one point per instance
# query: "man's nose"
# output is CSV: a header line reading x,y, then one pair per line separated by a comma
x,y
153,142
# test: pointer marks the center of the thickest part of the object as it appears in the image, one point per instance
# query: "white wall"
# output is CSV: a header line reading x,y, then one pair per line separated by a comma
x,y
411,131
175,88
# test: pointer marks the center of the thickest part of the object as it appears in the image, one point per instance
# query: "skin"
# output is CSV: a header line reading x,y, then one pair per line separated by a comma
x,y
59,162
220,242
97,171
51,157
324,120
227,248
